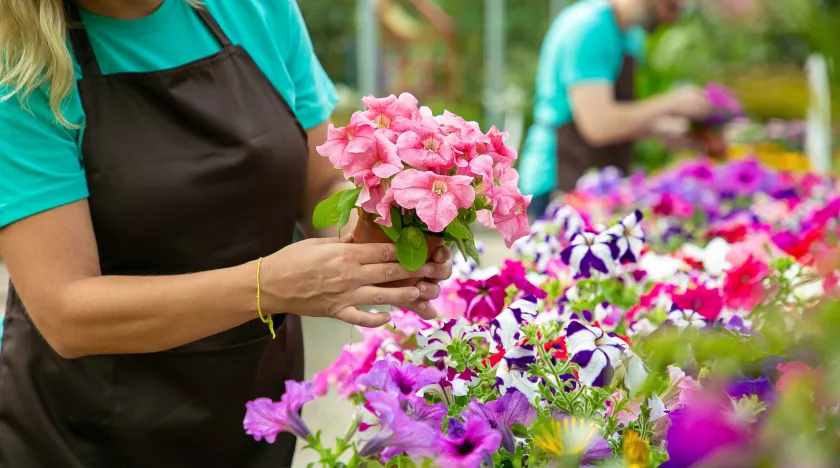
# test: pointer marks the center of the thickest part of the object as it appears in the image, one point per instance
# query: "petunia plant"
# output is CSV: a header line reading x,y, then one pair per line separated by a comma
x,y
594,346
417,175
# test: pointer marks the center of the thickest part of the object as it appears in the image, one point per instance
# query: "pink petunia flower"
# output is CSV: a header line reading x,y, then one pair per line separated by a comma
x,y
742,286
436,198
511,219
344,143
380,161
494,176
424,146
384,111
496,148
705,301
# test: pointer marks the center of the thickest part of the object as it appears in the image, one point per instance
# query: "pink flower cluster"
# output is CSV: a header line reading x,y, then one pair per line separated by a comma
x,y
402,156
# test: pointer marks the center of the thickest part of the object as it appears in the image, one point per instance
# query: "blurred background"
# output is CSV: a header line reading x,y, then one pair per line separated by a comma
x,y
478,59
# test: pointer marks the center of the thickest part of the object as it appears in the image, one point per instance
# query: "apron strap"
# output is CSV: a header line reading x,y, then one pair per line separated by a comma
x,y
214,27
80,41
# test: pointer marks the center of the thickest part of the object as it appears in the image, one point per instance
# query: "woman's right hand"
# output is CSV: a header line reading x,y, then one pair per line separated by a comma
x,y
330,277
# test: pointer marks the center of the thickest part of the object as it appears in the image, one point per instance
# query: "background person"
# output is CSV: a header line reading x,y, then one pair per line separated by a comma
x,y
134,206
585,112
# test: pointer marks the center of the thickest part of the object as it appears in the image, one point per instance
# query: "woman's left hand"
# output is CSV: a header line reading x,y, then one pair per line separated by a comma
x,y
429,288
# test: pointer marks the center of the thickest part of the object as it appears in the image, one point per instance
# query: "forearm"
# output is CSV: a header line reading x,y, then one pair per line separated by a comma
x,y
119,315
623,122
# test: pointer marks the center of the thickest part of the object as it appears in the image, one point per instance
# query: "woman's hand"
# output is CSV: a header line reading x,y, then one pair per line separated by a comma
x,y
330,277
429,288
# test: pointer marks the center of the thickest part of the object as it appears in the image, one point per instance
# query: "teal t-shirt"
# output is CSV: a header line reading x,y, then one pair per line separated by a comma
x,y
40,161
584,44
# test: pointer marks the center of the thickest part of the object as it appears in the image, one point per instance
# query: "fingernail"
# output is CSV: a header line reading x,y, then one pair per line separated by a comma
x,y
423,306
422,287
415,293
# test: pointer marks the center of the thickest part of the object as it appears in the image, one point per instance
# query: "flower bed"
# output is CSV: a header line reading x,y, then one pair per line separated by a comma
x,y
672,320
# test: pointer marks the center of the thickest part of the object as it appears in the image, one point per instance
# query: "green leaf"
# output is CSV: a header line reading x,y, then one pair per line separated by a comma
x,y
326,213
472,251
393,232
343,218
412,250
348,199
458,230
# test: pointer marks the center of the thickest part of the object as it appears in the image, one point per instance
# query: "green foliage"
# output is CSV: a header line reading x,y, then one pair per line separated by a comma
x,y
412,250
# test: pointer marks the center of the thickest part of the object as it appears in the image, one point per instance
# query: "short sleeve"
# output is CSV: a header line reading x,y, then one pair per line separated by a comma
x,y
40,162
315,95
591,55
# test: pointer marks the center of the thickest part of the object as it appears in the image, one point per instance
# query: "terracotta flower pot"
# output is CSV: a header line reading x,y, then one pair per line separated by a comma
x,y
713,142
368,232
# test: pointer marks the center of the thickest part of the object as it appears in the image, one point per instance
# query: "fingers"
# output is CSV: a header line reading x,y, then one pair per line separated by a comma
x,y
367,254
435,271
428,291
424,309
372,295
442,254
387,272
383,273
354,316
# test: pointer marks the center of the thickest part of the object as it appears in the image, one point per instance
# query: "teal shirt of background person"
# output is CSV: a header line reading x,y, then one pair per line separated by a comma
x,y
40,161
583,45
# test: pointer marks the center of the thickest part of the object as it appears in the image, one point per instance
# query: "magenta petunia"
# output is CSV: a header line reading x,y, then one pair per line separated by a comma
x,y
467,445
485,298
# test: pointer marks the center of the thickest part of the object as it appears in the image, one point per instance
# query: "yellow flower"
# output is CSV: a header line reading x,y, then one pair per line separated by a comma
x,y
570,436
636,450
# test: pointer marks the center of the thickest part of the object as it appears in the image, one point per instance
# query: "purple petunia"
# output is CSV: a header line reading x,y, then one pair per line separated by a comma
x,y
264,419
403,380
501,414
398,432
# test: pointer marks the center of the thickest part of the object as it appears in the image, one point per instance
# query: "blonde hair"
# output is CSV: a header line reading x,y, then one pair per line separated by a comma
x,y
34,53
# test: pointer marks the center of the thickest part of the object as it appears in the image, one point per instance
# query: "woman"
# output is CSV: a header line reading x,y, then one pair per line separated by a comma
x,y
135,206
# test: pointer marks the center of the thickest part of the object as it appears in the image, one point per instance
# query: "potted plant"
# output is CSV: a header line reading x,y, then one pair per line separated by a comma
x,y
421,180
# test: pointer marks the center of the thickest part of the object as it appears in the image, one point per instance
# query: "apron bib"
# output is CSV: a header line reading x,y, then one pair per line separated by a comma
x,y
575,156
189,169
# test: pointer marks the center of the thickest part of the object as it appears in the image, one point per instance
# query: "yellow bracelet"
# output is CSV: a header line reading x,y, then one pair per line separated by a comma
x,y
270,319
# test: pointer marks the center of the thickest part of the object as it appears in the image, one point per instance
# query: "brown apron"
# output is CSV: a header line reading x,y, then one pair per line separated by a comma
x,y
575,156
194,168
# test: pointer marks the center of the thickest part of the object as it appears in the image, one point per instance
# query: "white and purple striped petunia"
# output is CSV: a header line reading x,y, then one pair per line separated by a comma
x,y
681,318
594,351
433,343
589,251
507,331
628,237
569,221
